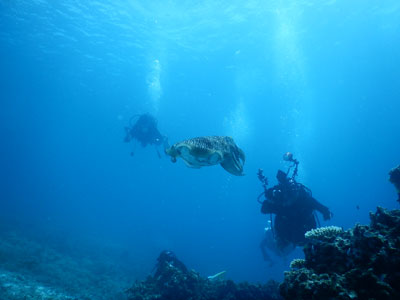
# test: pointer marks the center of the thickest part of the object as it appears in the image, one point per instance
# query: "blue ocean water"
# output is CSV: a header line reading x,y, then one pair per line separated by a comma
x,y
318,78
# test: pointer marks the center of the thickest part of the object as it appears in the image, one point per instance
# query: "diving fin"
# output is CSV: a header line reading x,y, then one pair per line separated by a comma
x,y
218,276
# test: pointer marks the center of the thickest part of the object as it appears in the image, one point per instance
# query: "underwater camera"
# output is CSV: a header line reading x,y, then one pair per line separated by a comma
x,y
288,156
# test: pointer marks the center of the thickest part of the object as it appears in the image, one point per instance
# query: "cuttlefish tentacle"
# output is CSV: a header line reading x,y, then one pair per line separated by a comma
x,y
242,156
229,165
232,162
235,161
238,158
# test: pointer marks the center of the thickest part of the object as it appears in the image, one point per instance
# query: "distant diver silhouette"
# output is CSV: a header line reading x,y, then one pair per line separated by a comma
x,y
143,128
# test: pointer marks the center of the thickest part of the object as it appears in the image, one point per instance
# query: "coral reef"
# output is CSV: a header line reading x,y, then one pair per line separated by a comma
x,y
297,263
172,281
323,233
359,263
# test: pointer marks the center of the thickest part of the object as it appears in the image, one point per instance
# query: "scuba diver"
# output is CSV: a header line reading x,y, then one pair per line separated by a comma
x,y
294,208
394,177
145,131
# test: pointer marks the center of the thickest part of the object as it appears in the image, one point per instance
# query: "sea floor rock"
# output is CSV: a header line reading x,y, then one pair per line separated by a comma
x,y
42,268
359,263
14,286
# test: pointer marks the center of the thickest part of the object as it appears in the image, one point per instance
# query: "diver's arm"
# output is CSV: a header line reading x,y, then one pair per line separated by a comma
x,y
165,142
128,136
324,210
268,207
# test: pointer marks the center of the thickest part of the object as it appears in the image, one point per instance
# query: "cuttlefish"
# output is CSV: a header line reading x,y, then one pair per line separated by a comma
x,y
208,151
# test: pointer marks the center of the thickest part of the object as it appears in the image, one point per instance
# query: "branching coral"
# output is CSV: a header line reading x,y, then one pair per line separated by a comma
x,y
297,263
323,233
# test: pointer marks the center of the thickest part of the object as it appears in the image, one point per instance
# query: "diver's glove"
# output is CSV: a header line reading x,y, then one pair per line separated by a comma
x,y
327,215
267,207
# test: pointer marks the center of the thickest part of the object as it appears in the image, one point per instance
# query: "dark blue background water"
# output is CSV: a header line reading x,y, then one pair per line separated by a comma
x,y
318,78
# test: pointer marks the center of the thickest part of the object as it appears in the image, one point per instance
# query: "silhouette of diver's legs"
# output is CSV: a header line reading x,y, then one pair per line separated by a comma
x,y
263,248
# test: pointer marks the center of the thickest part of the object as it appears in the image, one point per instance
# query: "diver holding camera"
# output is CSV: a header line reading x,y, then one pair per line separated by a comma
x,y
294,208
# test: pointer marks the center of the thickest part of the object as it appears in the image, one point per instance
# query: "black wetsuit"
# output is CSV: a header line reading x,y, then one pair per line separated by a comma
x,y
293,205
